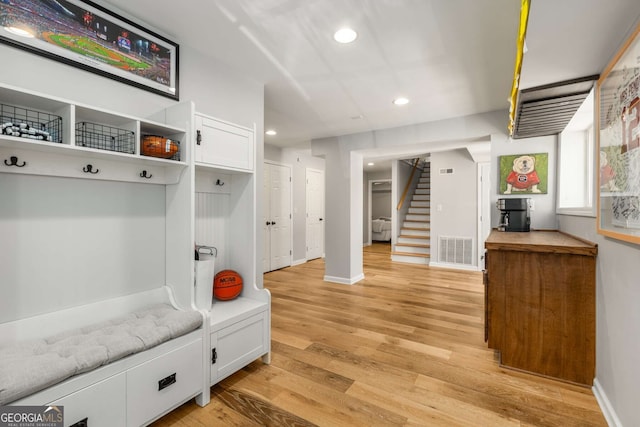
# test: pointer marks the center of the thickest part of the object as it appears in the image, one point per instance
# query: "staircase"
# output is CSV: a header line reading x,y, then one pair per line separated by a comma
x,y
413,244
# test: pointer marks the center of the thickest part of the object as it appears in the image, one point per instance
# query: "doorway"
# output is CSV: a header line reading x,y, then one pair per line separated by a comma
x,y
380,208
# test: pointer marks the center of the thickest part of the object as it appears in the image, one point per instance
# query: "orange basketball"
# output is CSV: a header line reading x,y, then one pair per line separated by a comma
x,y
227,285
158,146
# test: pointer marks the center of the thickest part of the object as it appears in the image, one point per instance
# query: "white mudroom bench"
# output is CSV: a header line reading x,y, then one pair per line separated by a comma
x,y
125,361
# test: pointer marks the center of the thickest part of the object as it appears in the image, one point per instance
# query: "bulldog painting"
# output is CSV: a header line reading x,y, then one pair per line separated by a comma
x,y
523,173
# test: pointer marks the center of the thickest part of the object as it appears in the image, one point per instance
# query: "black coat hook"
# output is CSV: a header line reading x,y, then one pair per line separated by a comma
x,y
89,169
143,174
14,162
220,183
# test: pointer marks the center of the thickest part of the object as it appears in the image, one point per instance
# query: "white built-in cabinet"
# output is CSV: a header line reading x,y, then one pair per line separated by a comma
x,y
210,200
70,156
224,144
224,217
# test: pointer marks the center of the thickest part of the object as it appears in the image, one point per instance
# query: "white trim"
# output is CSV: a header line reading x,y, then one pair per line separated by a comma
x,y
299,262
454,266
344,281
480,251
605,405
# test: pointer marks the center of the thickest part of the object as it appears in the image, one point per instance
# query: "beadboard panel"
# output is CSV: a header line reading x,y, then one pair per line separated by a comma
x,y
211,221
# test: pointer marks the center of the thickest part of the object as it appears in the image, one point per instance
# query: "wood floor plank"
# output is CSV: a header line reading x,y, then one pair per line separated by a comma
x,y
403,347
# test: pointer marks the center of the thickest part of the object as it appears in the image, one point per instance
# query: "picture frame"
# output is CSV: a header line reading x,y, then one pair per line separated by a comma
x,y
618,142
86,35
523,174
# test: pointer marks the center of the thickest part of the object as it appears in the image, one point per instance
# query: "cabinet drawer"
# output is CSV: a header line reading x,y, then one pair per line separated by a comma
x,y
237,345
160,384
223,144
102,404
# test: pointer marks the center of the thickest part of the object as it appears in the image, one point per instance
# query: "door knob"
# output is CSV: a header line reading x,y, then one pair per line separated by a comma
x,y
320,219
268,223
273,223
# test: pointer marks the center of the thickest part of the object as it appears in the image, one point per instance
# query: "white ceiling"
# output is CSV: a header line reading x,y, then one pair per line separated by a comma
x,y
450,57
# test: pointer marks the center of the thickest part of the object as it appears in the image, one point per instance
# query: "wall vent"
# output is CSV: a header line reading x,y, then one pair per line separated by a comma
x,y
455,250
446,171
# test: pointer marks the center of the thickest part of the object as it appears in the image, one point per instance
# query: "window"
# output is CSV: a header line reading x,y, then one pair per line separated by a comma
x,y
575,164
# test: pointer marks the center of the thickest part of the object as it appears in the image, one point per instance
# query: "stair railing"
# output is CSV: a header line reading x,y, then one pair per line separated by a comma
x,y
409,181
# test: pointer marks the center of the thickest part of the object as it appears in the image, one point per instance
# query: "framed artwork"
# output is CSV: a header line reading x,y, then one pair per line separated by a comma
x,y
618,136
524,174
86,35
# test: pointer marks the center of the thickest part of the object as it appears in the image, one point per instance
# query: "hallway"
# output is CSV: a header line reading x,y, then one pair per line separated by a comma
x,y
402,347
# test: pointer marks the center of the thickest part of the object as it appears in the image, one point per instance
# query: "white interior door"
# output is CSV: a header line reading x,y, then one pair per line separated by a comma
x,y
315,213
280,216
277,217
266,222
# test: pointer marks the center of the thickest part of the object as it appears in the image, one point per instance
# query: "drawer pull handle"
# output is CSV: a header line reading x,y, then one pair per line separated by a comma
x,y
166,382
81,423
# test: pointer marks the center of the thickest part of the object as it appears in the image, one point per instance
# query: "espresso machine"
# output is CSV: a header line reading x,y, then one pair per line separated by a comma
x,y
514,214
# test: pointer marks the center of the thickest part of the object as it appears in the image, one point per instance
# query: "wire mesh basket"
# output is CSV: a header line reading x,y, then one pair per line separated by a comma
x,y
31,124
105,137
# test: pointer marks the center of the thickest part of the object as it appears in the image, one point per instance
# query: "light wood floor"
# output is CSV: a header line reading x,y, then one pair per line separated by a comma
x,y
402,347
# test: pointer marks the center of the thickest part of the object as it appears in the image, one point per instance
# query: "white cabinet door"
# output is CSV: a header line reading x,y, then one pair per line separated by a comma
x,y
100,405
223,144
235,346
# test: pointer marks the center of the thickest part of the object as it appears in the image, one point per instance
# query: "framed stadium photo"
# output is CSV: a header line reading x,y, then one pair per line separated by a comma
x,y
88,36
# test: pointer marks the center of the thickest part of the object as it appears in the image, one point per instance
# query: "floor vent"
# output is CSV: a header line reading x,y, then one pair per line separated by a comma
x,y
455,250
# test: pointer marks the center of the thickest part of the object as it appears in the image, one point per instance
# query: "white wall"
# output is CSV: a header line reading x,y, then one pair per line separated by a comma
x,y
454,204
381,201
617,318
544,214
131,214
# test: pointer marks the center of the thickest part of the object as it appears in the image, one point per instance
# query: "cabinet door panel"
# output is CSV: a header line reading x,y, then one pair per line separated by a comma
x,y
223,144
238,345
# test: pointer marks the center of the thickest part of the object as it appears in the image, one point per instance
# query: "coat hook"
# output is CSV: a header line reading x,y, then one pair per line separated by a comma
x,y
220,183
89,169
14,162
143,174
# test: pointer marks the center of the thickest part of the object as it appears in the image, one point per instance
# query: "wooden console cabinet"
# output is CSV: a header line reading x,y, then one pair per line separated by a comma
x,y
540,303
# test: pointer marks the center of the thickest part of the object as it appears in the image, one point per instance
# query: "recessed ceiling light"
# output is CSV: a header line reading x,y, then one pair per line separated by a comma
x,y
20,32
271,132
401,101
370,164
345,35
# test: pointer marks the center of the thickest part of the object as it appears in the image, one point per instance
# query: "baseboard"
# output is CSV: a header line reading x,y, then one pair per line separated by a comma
x,y
344,281
605,405
454,266
298,262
